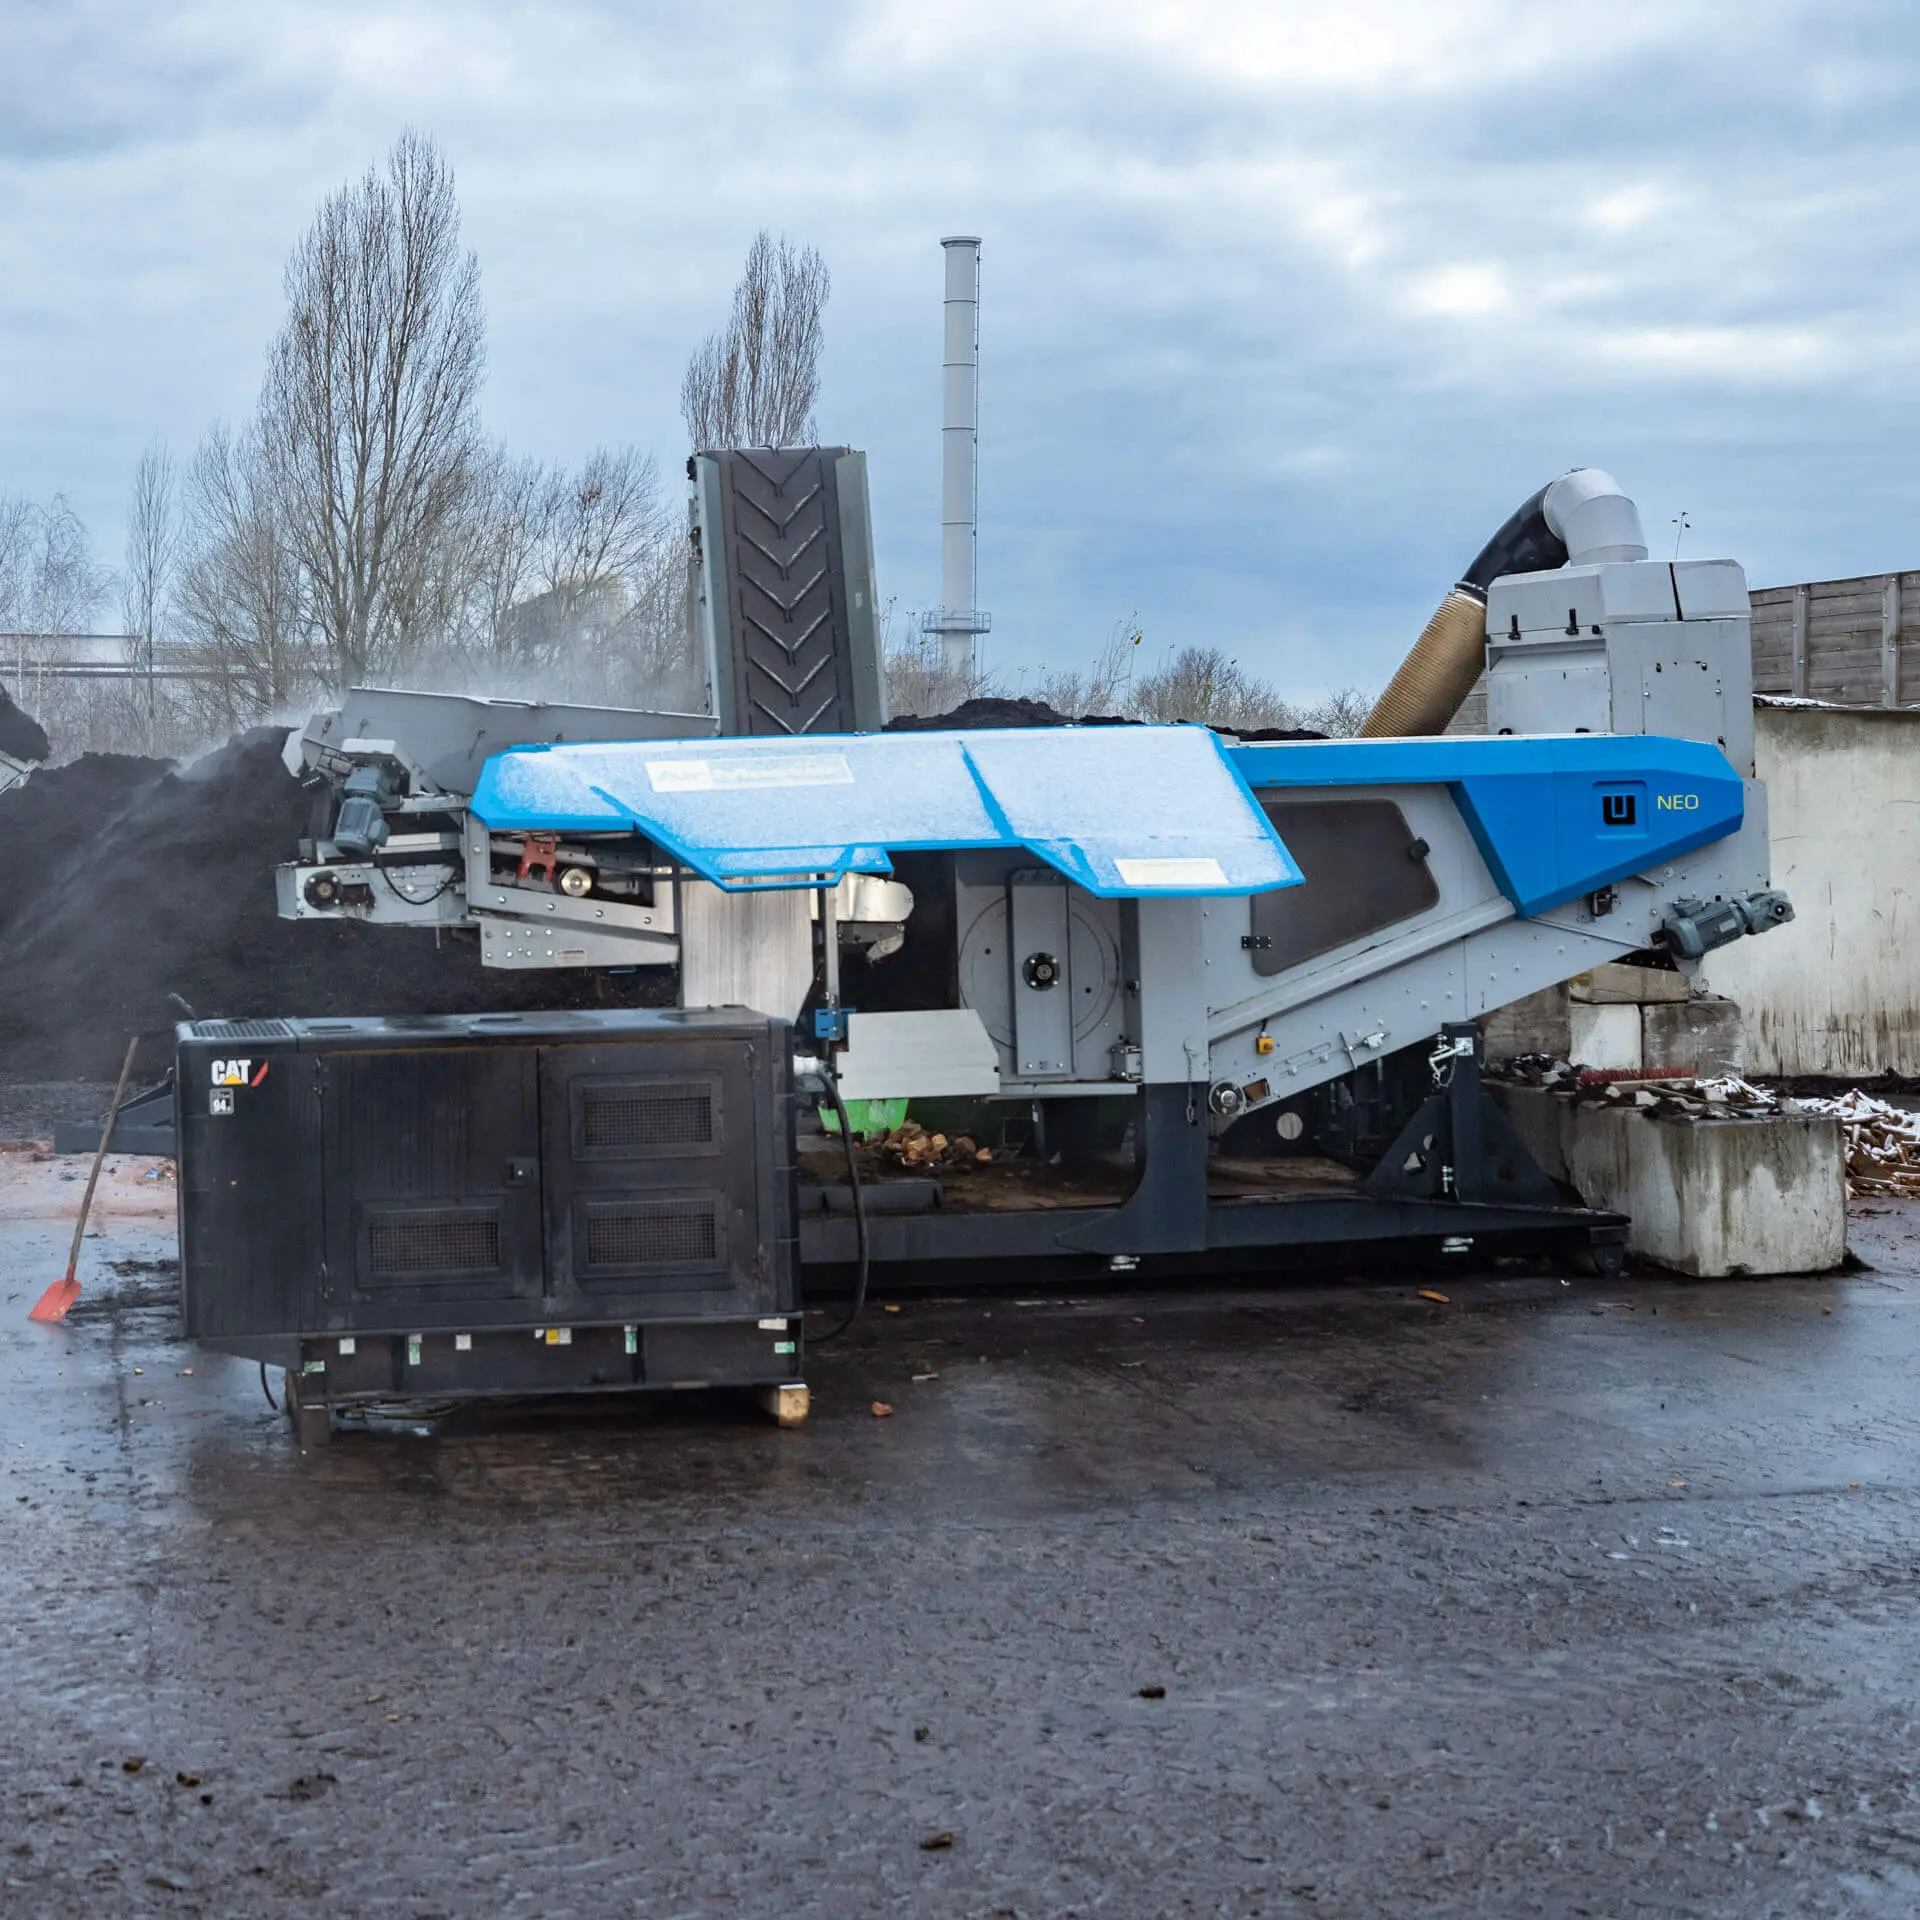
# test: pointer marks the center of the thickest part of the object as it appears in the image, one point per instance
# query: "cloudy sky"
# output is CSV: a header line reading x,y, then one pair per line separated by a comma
x,y
1286,302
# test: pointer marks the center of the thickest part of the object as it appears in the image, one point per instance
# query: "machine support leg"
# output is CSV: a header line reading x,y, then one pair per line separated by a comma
x,y
1167,1210
312,1423
1459,1145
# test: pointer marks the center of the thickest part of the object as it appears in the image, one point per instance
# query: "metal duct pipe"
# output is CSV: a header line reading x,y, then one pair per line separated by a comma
x,y
1581,518
1595,520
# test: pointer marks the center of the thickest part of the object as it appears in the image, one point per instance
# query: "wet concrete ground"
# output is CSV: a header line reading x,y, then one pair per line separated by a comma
x,y
1316,1599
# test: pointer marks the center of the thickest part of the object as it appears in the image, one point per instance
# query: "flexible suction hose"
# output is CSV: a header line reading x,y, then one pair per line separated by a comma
x,y
1438,674
1582,516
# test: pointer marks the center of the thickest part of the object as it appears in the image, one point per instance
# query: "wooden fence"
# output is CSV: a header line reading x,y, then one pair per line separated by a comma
x,y
1854,642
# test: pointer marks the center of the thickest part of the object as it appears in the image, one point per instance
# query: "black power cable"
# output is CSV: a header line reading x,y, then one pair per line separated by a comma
x,y
859,1200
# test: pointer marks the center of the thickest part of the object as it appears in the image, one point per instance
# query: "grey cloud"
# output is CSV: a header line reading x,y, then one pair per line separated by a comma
x,y
1229,381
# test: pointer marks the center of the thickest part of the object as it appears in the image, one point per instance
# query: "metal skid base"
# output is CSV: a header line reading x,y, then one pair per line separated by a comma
x,y
940,1250
1454,1179
331,1372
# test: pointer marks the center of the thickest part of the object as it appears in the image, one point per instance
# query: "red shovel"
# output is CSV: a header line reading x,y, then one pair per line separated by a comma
x,y
53,1304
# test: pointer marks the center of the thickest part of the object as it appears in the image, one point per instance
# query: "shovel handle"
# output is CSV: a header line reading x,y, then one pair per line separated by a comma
x,y
106,1134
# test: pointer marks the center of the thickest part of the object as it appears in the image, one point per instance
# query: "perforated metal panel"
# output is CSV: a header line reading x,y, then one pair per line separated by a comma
x,y
435,1240
627,1117
241,1030
649,1234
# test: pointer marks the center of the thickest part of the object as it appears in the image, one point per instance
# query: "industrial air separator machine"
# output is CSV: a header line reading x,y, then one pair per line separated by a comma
x,y
1242,978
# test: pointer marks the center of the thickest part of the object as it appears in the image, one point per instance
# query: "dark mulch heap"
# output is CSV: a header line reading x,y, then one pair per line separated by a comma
x,y
126,881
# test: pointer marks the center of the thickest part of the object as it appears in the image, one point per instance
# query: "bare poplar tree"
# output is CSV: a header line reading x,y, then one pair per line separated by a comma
x,y
242,599
153,553
368,419
755,383
503,525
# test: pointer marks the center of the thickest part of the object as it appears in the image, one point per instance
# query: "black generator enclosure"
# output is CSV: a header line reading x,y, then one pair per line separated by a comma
x,y
492,1203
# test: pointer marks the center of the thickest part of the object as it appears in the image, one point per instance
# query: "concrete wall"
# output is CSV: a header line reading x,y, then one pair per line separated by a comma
x,y
1838,991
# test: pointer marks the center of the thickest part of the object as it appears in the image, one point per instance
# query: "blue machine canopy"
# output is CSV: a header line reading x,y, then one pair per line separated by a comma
x,y
1123,811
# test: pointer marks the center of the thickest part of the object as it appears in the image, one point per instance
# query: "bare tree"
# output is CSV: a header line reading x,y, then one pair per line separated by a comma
x,y
242,599
1105,688
16,543
153,553
62,587
1341,713
504,523
1207,685
755,383
368,419
607,617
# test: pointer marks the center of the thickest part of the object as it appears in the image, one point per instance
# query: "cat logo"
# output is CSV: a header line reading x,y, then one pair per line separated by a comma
x,y
238,1073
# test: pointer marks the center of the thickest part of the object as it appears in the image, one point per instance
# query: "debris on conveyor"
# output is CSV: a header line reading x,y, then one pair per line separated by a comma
x,y
1666,1094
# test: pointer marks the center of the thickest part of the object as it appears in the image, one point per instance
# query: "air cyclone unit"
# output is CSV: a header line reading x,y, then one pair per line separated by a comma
x,y
1234,985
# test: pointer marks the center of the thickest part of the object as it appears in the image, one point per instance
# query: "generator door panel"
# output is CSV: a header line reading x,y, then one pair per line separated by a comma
x,y
250,1201
652,1169
432,1184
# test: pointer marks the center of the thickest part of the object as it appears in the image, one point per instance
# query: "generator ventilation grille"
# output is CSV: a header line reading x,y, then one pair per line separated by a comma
x,y
437,1240
666,1233
614,1119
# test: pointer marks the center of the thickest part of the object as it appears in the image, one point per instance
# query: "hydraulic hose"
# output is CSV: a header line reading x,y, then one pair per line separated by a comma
x,y
859,1202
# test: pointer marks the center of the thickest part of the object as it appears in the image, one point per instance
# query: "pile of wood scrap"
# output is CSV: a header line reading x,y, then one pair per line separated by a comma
x,y
911,1145
1882,1141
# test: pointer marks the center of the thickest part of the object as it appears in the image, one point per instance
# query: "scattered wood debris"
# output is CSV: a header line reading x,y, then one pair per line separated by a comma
x,y
911,1145
1883,1142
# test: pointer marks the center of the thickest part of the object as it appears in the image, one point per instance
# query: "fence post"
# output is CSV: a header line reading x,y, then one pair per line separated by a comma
x,y
1798,685
1890,642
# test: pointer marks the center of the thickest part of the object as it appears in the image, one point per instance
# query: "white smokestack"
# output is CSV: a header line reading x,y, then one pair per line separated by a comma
x,y
958,619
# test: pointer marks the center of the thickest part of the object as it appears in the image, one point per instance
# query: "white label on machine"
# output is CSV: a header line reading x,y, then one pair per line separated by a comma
x,y
734,776
1172,871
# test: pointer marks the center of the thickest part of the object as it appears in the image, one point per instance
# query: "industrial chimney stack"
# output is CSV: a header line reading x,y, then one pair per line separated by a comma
x,y
958,620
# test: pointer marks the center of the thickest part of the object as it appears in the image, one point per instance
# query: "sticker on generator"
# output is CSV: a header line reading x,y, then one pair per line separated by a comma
x,y
239,1073
737,776
1176,871
220,1100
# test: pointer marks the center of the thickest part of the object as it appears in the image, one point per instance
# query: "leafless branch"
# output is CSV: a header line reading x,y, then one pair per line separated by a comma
x,y
756,382
368,420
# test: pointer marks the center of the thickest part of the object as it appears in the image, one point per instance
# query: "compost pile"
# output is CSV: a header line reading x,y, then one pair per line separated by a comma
x,y
127,880
991,710
994,710
21,736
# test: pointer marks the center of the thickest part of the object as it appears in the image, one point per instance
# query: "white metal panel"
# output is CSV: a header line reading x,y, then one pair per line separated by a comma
x,y
939,1054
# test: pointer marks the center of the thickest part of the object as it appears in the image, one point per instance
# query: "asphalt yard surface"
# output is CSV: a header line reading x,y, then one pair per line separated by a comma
x,y
1317,1598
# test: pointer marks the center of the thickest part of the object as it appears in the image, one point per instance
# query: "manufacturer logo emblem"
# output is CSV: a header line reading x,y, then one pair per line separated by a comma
x,y
1617,809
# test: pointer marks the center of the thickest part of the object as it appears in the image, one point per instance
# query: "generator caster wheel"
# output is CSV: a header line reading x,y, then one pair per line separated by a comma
x,y
311,1420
